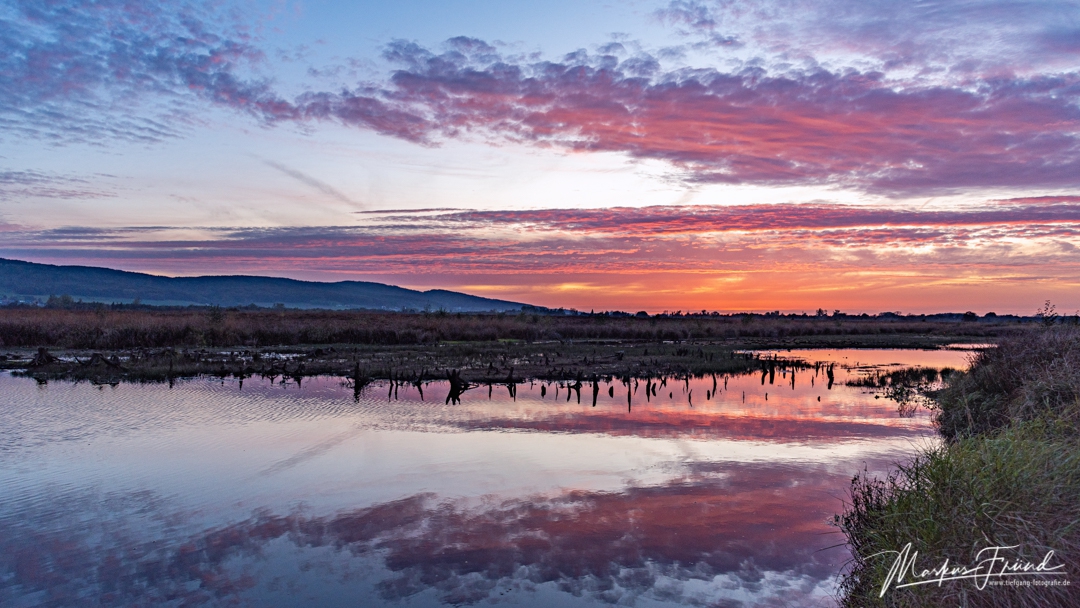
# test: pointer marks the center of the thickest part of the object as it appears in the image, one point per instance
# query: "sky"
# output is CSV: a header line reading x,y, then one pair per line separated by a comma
x,y
859,155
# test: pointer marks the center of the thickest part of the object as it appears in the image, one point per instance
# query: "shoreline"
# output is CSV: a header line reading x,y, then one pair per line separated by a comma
x,y
137,345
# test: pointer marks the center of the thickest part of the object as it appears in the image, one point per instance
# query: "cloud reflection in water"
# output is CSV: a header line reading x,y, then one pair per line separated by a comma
x,y
208,494
719,523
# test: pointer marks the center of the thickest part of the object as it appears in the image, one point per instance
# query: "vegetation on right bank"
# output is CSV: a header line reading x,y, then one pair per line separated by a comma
x,y
1007,474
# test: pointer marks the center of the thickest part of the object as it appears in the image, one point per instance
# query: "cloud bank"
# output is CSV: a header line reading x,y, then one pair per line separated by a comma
x,y
915,115
617,240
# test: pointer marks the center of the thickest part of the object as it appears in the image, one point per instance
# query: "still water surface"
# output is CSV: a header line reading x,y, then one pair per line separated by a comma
x,y
269,494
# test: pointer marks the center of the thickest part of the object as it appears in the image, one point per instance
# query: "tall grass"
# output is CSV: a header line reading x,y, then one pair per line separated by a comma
x,y
1007,473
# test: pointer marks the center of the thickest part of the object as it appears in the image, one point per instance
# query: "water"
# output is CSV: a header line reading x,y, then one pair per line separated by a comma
x,y
209,493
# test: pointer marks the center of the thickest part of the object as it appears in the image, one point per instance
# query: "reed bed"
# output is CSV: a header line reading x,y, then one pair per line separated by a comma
x,y
122,329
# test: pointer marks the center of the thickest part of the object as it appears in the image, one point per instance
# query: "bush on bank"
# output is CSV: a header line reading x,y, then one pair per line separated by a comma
x,y
1008,473
1027,377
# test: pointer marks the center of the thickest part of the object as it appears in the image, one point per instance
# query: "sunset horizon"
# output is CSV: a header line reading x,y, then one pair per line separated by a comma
x,y
558,297
576,303
684,155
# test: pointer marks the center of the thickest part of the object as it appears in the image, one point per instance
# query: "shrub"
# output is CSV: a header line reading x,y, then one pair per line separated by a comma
x,y
1025,377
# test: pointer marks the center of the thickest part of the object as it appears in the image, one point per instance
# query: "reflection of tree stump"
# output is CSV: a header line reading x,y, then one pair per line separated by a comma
x,y
511,384
575,387
419,383
360,381
457,386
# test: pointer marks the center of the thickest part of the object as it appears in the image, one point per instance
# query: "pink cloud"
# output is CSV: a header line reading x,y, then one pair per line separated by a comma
x,y
754,126
65,66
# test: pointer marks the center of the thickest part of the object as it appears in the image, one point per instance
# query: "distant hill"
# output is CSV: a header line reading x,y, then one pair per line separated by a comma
x,y
89,283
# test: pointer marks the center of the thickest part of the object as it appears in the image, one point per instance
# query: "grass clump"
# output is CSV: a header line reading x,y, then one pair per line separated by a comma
x,y
910,387
1007,473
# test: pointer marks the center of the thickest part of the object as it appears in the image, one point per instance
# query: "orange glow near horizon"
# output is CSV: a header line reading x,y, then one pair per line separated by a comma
x,y
788,292
792,258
